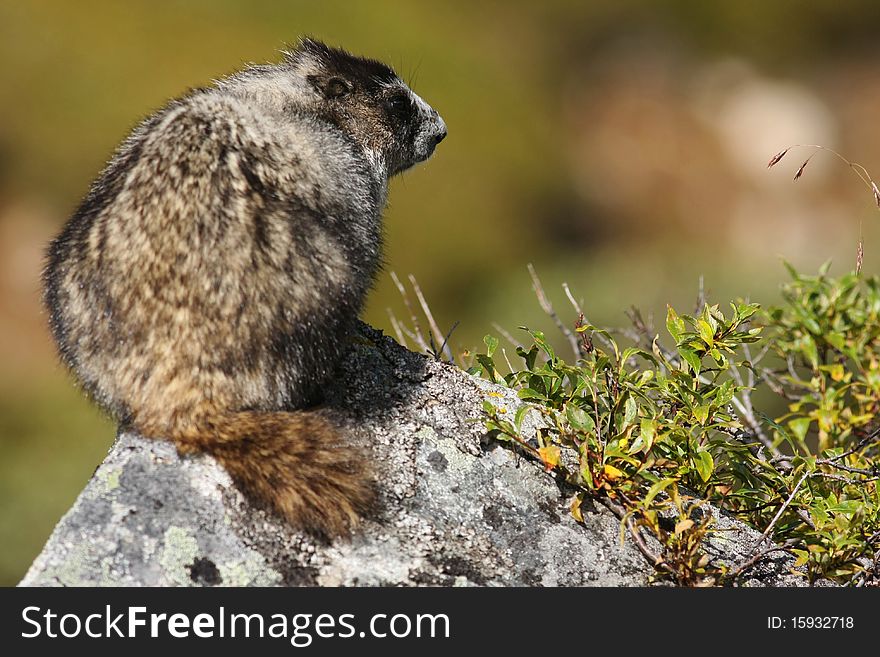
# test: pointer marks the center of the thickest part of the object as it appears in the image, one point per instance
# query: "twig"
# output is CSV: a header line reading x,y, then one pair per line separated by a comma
x,y
506,359
746,408
417,331
547,307
573,301
396,326
864,441
739,570
435,330
654,559
756,556
846,480
873,472
802,513
577,308
774,382
781,511
448,335
701,297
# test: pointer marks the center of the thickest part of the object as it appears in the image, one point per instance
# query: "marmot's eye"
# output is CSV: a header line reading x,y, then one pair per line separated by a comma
x,y
399,103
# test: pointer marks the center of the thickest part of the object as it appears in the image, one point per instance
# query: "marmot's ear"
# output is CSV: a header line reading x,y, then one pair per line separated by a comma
x,y
330,86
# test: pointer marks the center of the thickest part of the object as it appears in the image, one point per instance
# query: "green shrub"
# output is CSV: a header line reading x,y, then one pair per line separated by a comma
x,y
655,428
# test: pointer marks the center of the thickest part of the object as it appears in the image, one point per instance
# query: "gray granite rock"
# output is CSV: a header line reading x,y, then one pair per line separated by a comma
x,y
454,508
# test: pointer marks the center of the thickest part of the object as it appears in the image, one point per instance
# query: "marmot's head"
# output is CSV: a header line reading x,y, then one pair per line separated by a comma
x,y
362,97
367,100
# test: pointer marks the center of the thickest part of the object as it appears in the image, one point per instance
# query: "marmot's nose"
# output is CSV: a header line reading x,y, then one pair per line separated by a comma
x,y
440,129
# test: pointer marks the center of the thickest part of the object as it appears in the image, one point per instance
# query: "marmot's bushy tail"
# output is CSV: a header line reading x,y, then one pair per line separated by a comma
x,y
291,461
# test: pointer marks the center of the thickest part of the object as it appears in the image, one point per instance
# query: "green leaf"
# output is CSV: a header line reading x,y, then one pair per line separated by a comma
x,y
529,356
529,393
791,270
746,310
702,413
541,341
725,393
808,347
704,465
674,324
630,411
836,340
656,489
578,418
812,325
520,415
648,432
488,364
491,343
707,333
631,352
799,427
718,357
691,358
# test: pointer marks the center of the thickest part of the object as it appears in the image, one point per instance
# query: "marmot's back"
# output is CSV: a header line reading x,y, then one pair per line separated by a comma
x,y
204,289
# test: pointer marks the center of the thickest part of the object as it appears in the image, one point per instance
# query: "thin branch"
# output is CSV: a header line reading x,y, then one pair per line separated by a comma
x,y
845,480
435,330
789,362
397,329
701,297
507,360
803,515
654,559
750,371
862,443
780,512
739,570
417,331
449,335
580,313
746,408
573,301
775,383
873,472
547,307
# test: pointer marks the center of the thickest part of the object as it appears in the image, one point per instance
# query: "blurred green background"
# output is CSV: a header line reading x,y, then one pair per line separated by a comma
x,y
619,146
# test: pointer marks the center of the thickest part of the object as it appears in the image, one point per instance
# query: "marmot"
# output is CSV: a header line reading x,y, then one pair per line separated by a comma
x,y
204,289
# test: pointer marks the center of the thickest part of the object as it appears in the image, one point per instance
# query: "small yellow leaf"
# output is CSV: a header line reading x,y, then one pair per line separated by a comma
x,y
550,456
683,525
612,473
837,372
576,508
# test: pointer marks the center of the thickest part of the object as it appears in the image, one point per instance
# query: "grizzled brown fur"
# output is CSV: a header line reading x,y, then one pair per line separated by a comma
x,y
204,289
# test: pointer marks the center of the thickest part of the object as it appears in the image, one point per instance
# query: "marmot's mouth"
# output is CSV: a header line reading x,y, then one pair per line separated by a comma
x,y
429,142
427,152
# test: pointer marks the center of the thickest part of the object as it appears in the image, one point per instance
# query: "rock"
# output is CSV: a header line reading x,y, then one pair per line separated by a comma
x,y
455,509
